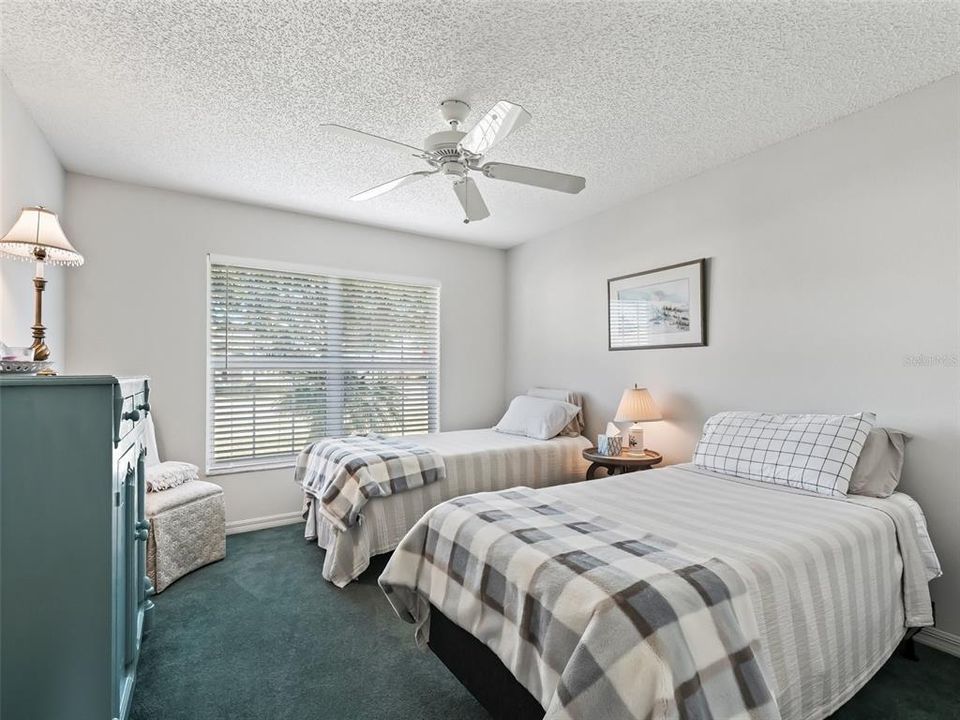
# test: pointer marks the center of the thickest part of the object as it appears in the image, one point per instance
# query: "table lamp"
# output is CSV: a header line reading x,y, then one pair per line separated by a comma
x,y
36,236
637,406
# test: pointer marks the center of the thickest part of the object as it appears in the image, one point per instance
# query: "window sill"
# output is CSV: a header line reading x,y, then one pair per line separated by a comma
x,y
241,469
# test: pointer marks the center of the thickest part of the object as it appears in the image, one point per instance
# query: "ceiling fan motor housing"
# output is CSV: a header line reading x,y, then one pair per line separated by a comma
x,y
444,153
443,142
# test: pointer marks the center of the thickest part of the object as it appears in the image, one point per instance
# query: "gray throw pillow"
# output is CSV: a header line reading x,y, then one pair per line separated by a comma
x,y
877,472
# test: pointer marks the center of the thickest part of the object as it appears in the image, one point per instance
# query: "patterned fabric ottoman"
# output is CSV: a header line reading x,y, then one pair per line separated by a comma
x,y
187,530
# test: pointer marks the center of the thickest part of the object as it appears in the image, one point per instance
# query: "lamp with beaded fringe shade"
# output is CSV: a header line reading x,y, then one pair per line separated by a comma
x,y
37,237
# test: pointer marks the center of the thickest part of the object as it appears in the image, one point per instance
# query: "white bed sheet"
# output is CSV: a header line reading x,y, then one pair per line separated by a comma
x,y
476,461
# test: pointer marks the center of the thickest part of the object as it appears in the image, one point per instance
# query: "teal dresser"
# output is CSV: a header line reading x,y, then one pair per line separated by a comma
x,y
74,596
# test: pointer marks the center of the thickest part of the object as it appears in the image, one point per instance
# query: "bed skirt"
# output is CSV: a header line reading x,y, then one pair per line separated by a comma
x,y
480,671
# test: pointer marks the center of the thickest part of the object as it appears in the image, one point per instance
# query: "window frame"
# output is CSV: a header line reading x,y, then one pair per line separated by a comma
x,y
302,269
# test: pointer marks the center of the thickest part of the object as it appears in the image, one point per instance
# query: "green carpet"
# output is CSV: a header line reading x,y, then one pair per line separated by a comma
x,y
261,635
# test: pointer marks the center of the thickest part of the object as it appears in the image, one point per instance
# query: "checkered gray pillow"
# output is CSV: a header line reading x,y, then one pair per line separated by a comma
x,y
812,452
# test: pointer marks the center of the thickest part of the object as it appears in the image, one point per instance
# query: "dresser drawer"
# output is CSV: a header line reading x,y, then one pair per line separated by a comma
x,y
129,416
131,407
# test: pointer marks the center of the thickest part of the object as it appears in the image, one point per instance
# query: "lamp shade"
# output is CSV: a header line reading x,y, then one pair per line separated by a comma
x,y
36,236
637,405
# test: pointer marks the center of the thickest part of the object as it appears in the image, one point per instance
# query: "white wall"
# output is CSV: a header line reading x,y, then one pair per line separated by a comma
x,y
30,174
138,306
833,286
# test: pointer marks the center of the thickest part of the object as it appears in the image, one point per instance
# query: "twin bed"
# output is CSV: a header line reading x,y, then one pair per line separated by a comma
x,y
680,592
828,589
476,461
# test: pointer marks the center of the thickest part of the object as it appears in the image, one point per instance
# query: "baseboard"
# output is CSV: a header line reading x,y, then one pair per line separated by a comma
x,y
261,523
940,640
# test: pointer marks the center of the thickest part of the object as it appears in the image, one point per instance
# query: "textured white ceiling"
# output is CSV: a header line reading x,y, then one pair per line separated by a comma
x,y
225,98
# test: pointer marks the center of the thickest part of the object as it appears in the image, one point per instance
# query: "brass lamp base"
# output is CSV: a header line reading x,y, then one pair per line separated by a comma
x,y
40,350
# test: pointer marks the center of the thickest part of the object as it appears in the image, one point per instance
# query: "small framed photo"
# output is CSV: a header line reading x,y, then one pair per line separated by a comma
x,y
658,308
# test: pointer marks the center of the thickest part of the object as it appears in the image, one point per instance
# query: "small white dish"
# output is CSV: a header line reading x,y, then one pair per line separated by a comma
x,y
24,367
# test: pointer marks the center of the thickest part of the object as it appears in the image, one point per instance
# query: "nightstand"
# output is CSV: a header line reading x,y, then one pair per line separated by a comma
x,y
619,464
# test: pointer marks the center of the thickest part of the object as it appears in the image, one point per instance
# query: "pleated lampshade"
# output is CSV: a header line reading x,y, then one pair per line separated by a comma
x,y
637,405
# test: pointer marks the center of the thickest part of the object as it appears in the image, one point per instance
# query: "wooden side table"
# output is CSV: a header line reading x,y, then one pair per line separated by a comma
x,y
619,464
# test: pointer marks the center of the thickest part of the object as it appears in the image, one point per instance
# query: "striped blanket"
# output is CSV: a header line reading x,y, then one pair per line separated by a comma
x,y
340,475
616,626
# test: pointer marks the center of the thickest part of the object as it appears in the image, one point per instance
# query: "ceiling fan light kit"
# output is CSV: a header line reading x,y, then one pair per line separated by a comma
x,y
455,153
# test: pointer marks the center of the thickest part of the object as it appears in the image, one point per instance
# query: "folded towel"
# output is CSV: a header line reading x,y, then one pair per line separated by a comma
x,y
166,475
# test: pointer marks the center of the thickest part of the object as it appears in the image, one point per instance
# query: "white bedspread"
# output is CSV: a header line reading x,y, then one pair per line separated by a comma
x,y
833,582
476,461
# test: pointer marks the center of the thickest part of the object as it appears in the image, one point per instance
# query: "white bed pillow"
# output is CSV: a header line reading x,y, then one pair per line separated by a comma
x,y
812,452
575,427
538,418
877,472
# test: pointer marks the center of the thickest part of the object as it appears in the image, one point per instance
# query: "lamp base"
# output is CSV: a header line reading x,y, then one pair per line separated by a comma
x,y
40,350
635,446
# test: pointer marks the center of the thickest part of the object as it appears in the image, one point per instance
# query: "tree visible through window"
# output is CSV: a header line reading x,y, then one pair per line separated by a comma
x,y
294,356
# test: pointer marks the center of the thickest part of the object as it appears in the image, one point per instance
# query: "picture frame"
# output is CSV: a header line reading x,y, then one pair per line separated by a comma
x,y
660,308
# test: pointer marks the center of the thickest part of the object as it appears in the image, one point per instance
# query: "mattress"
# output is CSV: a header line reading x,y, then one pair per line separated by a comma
x,y
833,583
476,461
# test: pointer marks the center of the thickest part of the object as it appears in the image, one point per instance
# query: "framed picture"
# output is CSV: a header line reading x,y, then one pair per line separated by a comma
x,y
658,308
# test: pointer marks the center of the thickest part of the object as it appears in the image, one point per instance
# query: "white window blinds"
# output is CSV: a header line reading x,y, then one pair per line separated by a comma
x,y
295,356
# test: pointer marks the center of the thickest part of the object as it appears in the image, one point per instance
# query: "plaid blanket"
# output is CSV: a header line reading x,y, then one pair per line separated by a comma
x,y
595,623
342,474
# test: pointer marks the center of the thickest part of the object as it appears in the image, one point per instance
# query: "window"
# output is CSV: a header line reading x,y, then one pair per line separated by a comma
x,y
297,355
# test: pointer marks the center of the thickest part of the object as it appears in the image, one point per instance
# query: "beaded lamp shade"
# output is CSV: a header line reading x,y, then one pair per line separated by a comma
x,y
36,236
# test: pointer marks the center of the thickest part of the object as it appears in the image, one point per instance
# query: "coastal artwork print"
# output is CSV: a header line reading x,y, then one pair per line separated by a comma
x,y
657,308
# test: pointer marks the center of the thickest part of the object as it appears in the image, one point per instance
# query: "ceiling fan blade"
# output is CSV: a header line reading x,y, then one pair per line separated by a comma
x,y
392,185
474,208
501,120
371,138
534,176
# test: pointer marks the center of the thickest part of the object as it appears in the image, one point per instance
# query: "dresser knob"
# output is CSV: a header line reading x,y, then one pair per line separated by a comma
x,y
141,535
143,525
144,406
132,415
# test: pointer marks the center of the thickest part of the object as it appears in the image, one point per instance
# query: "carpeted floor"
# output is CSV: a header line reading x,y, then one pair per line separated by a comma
x,y
261,635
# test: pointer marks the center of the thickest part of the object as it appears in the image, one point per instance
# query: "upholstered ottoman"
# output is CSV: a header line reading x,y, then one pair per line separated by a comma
x,y
187,530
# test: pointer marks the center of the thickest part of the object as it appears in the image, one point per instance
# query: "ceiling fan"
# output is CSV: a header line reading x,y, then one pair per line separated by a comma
x,y
455,153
